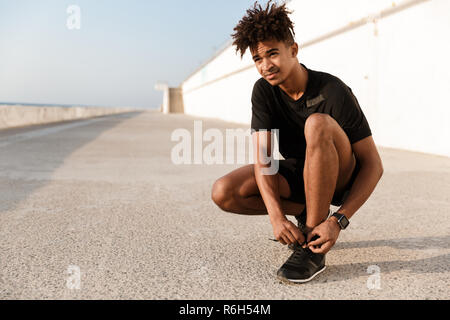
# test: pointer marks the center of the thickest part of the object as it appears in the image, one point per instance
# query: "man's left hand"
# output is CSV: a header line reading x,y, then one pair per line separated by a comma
x,y
328,233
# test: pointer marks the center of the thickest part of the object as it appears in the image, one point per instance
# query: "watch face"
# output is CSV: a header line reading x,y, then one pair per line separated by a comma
x,y
343,221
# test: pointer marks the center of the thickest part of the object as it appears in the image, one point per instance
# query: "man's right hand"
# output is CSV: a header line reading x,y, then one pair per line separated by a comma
x,y
286,232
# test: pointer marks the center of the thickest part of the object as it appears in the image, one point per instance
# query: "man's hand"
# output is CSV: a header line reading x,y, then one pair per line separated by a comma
x,y
286,232
328,233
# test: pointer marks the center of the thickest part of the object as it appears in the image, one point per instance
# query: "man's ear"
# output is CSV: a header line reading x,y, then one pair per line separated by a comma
x,y
294,50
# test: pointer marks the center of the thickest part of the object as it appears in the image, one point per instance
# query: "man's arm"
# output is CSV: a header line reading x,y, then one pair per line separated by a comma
x,y
267,184
370,173
284,230
367,179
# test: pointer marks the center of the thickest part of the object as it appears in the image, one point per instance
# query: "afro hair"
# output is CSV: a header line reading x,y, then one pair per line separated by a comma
x,y
271,23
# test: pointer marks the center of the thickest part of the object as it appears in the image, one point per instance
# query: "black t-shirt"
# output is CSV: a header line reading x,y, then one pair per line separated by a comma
x,y
272,108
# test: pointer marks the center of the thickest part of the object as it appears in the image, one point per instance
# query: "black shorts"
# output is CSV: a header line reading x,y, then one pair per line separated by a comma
x,y
292,170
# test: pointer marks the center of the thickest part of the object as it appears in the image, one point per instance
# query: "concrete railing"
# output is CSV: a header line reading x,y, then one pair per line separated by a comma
x,y
18,116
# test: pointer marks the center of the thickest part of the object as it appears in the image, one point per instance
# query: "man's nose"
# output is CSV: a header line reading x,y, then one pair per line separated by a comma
x,y
266,65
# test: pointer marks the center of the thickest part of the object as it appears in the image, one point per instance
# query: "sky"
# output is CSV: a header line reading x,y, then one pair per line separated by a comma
x,y
122,48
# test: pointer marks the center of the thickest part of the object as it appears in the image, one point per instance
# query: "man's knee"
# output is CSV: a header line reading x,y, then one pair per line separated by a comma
x,y
318,128
222,194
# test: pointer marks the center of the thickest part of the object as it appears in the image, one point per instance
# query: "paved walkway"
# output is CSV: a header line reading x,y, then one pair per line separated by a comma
x,y
102,196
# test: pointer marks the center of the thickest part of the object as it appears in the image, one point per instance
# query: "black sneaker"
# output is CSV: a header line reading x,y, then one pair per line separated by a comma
x,y
302,266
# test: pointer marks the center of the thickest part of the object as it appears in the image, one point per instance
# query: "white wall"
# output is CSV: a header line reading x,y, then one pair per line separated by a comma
x,y
397,67
227,98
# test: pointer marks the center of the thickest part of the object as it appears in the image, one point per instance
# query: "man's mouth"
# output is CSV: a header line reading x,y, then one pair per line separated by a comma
x,y
272,75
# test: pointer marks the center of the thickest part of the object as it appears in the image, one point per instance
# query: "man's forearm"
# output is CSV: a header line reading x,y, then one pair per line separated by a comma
x,y
269,189
362,188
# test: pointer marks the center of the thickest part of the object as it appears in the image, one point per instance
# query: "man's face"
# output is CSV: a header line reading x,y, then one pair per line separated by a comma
x,y
274,60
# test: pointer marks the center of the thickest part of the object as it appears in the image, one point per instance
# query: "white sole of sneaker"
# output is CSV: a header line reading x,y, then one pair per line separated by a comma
x,y
305,280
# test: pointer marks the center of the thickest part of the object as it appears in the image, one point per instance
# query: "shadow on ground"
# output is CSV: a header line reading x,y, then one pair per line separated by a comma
x,y
403,243
436,264
15,156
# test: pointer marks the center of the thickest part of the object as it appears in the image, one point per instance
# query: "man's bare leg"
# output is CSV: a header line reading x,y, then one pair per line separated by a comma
x,y
238,193
320,176
254,205
329,165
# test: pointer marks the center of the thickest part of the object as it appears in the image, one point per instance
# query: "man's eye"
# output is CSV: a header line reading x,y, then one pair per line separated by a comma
x,y
273,53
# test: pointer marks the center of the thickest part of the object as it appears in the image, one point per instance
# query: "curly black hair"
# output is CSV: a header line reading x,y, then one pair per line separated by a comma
x,y
271,23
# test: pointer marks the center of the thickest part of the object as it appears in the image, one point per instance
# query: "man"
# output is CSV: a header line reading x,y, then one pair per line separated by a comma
x,y
330,154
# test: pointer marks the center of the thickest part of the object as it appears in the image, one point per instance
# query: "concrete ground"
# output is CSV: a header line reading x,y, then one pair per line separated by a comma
x,y
102,196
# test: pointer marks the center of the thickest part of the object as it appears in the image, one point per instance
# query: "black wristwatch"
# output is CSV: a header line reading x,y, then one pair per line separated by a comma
x,y
341,220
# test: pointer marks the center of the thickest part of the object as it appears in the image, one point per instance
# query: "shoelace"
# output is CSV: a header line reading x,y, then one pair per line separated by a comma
x,y
301,257
297,258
